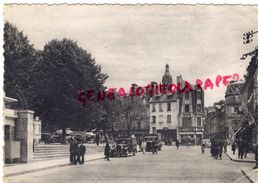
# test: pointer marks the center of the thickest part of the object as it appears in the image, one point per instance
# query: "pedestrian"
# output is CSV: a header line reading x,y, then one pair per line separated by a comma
x,y
107,151
82,150
177,143
255,146
246,149
212,148
154,148
75,153
143,146
233,148
225,145
240,149
71,151
97,139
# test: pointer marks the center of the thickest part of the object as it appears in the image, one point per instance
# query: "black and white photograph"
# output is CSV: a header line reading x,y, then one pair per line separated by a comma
x,y
146,93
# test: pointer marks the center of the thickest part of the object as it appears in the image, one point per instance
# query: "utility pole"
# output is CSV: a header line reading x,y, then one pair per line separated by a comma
x,y
248,38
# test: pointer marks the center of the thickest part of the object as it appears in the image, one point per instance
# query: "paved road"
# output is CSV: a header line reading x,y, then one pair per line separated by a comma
x,y
170,165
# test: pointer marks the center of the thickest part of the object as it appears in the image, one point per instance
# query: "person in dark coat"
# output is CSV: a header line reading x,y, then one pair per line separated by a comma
x,y
177,143
107,151
154,147
240,149
97,139
233,147
255,146
71,151
82,150
75,153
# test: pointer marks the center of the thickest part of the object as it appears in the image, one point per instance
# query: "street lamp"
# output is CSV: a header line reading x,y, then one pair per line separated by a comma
x,y
252,53
247,37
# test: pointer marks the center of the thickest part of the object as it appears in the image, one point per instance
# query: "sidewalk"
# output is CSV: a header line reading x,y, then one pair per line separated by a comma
x,y
251,174
248,159
19,169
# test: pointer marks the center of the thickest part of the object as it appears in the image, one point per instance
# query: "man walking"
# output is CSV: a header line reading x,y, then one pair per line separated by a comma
x,y
82,150
240,149
75,153
233,148
97,139
72,151
177,143
107,151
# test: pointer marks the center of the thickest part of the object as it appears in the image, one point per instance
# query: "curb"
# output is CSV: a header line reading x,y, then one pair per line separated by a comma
x,y
247,176
240,160
46,168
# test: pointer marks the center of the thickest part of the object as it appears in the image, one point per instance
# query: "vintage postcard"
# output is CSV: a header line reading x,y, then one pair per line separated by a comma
x,y
130,93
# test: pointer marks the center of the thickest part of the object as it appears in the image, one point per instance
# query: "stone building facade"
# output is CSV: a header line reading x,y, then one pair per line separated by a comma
x,y
234,114
215,122
191,113
178,115
21,133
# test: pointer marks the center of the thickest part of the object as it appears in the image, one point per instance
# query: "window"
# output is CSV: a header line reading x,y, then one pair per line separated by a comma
x,y
169,106
160,107
199,122
187,108
161,118
154,130
168,118
153,119
187,122
153,108
199,108
187,94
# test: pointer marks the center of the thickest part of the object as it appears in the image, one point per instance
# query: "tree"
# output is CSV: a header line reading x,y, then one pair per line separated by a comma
x,y
66,70
21,62
126,112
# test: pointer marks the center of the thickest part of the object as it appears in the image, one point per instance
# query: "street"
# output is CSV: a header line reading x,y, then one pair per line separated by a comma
x,y
185,164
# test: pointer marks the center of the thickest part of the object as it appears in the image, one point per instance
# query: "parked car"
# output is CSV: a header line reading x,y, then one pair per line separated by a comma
x,y
124,146
150,139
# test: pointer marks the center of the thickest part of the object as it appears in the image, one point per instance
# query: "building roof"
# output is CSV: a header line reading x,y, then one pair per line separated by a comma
x,y
164,98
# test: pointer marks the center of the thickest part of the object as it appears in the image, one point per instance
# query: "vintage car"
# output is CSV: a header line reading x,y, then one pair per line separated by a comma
x,y
124,146
152,139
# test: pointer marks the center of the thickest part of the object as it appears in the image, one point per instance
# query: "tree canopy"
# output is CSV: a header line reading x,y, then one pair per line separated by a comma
x,y
48,81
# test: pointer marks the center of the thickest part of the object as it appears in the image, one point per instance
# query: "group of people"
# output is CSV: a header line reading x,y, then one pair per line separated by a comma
x,y
217,148
77,152
242,146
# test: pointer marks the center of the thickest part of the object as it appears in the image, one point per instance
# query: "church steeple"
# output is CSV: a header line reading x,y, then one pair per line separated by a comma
x,y
167,77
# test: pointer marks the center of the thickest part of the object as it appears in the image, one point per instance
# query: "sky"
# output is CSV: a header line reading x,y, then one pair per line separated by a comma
x,y
134,43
